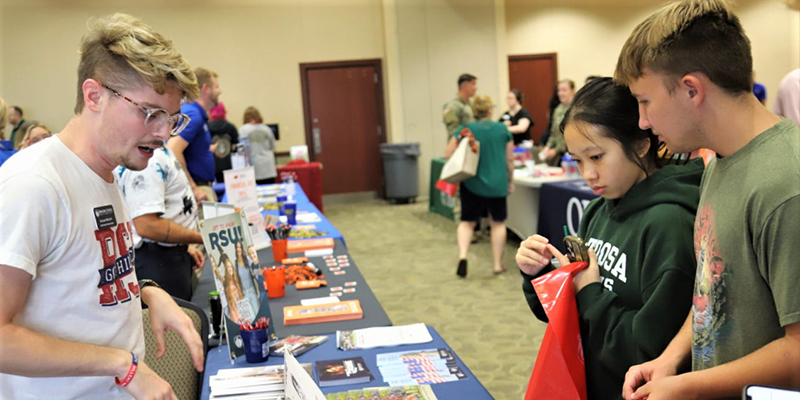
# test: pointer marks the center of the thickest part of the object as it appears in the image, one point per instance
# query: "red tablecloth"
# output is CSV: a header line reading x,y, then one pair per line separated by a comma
x,y
308,175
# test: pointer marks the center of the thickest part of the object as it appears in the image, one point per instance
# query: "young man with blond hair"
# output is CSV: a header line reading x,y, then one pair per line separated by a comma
x,y
70,311
690,67
193,146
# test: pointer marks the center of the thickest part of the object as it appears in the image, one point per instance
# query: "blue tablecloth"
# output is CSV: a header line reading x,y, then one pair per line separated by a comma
x,y
304,205
561,204
469,388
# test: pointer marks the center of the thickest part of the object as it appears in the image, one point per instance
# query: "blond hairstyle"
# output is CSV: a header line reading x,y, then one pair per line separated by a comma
x,y
203,76
124,52
481,105
690,36
24,142
252,114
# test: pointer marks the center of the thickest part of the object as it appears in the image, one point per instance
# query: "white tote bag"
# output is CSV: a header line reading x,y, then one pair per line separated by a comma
x,y
463,164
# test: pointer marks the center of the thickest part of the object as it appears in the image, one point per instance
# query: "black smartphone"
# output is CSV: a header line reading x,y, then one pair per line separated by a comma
x,y
758,392
576,249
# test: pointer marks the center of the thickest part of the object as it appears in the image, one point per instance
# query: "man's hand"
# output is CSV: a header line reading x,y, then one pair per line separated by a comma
x,y
507,122
590,274
199,194
549,153
147,385
166,315
511,187
197,256
533,254
666,388
638,376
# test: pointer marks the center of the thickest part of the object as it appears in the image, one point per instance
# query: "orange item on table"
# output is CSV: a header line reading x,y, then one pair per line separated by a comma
x,y
345,310
299,246
309,284
295,260
279,250
274,279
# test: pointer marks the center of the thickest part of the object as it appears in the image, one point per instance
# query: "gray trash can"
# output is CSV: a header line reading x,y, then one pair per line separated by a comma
x,y
400,171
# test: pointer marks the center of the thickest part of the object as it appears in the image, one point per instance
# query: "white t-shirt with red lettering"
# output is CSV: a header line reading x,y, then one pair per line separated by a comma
x,y
68,228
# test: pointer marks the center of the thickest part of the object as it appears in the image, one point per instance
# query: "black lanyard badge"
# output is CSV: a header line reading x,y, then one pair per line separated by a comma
x,y
104,217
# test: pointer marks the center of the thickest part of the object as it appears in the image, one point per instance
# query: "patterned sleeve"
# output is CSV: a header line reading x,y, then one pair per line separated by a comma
x,y
145,190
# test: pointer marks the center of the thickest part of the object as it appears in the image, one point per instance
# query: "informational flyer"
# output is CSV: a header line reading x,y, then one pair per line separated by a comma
x,y
299,384
234,262
240,188
385,336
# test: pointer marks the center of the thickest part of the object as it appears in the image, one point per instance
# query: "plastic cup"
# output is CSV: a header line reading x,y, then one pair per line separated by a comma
x,y
281,202
290,209
279,250
275,279
256,345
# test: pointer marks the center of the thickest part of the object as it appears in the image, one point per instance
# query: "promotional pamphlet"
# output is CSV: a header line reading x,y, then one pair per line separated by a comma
x,y
268,382
235,265
385,336
418,367
296,344
420,392
344,371
299,383
240,188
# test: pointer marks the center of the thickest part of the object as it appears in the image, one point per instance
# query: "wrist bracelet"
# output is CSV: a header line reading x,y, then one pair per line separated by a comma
x,y
131,372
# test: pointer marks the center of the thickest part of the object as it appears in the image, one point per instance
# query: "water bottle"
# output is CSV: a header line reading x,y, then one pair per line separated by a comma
x,y
290,187
569,166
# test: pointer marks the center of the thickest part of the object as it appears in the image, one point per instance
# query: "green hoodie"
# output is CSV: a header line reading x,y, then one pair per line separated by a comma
x,y
645,252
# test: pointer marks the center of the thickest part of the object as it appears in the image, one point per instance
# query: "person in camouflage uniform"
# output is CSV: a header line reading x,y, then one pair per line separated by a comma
x,y
458,111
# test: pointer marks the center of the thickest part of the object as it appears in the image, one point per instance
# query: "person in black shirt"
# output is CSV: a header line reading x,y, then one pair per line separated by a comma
x,y
517,119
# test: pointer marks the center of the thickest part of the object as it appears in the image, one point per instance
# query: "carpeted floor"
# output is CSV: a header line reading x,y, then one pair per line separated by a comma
x,y
408,256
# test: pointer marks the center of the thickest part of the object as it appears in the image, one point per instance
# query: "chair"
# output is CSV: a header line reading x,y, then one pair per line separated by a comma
x,y
176,365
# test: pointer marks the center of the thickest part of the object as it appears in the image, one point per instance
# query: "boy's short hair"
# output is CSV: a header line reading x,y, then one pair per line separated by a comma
x,y
124,52
204,76
690,36
465,78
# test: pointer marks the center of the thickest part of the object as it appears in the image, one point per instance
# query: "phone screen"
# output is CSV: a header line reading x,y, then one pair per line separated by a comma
x,y
769,393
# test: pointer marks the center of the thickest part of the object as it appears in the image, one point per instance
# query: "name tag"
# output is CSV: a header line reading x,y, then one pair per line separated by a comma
x,y
104,217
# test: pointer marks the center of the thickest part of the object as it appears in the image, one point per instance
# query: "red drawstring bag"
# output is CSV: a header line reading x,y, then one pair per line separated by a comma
x,y
559,372
449,188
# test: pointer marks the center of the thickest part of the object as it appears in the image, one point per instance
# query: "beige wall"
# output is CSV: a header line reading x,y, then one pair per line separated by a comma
x,y
588,38
256,48
438,40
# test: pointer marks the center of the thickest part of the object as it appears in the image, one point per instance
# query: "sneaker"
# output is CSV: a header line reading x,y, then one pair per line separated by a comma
x,y
462,268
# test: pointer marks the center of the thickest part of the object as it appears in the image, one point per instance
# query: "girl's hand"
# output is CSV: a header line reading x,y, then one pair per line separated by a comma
x,y
533,254
589,275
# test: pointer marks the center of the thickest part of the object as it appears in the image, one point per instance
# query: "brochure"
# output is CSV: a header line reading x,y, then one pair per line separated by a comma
x,y
267,382
420,392
344,371
385,336
296,344
346,310
299,384
417,367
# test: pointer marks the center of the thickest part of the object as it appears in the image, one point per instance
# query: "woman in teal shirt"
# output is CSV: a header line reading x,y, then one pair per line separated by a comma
x,y
487,191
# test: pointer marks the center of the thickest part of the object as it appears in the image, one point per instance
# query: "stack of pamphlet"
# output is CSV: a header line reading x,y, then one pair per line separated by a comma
x,y
385,336
248,383
296,344
421,392
418,367
344,371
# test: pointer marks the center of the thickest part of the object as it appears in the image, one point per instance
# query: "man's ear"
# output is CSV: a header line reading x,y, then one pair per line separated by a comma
x,y
92,94
694,86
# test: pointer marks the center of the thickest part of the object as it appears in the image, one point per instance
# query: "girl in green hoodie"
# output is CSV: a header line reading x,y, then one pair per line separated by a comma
x,y
637,291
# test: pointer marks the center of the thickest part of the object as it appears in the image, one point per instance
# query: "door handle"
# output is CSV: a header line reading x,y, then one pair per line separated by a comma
x,y
316,139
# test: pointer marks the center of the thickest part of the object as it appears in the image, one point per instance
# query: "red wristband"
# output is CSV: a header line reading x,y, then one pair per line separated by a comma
x,y
131,372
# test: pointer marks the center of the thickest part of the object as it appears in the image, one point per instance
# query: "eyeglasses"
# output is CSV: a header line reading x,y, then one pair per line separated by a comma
x,y
157,118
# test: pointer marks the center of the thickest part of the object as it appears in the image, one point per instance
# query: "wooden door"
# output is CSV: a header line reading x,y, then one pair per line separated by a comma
x,y
535,75
344,121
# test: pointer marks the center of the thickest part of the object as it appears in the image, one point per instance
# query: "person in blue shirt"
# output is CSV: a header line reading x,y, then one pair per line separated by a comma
x,y
193,146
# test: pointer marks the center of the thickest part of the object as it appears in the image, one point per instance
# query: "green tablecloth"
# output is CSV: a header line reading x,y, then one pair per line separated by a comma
x,y
438,201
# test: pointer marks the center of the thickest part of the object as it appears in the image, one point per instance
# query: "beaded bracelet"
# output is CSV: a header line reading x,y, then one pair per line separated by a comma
x,y
131,372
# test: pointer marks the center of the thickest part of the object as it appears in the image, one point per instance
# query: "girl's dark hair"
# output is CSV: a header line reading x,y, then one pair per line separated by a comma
x,y
519,95
613,109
